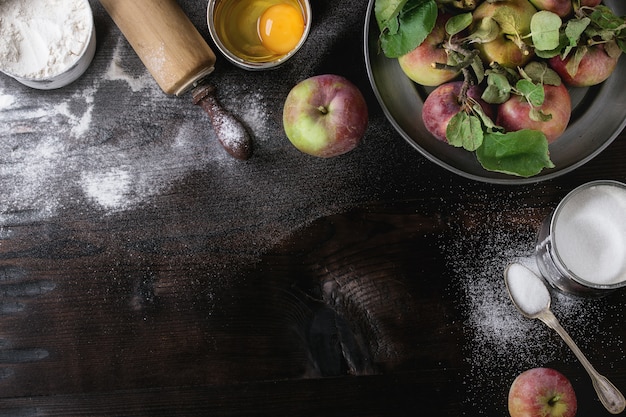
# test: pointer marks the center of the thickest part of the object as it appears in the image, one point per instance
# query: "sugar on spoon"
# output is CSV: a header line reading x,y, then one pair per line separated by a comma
x,y
532,298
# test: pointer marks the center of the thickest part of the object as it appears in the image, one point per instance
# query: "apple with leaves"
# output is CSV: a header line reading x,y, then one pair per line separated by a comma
x,y
419,64
594,67
542,392
563,8
325,115
445,101
500,28
517,113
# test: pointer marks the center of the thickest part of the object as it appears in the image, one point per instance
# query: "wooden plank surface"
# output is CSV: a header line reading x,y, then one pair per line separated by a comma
x,y
145,273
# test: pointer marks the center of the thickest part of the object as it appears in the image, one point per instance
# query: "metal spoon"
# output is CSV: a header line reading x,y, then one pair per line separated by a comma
x,y
520,293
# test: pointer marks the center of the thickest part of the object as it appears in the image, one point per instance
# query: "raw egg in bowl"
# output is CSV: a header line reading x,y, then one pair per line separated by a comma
x,y
258,34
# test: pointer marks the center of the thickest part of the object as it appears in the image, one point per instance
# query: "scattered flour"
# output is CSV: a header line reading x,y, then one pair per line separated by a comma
x,y
116,72
47,146
6,101
109,189
42,38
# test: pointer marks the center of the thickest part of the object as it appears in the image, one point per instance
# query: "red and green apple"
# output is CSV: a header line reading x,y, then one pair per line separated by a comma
x,y
542,392
563,8
595,67
444,102
325,115
418,64
514,114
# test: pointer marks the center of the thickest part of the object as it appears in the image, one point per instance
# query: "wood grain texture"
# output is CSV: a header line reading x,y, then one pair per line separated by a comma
x,y
143,272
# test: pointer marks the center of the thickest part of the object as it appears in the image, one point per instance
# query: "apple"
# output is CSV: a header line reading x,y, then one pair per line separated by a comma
x,y
443,103
542,392
418,64
595,67
513,114
561,7
513,19
325,115
590,3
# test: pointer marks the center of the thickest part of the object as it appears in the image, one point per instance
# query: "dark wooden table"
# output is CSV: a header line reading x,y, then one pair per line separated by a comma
x,y
143,272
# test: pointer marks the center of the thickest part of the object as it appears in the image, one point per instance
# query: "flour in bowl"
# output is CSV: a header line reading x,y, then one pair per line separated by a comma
x,y
42,38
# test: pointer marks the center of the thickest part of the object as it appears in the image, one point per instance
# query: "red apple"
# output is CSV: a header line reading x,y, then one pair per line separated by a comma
x,y
443,103
418,64
513,114
325,115
513,18
561,7
590,3
595,67
542,392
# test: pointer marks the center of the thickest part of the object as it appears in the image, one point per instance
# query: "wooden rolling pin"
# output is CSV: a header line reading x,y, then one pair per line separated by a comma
x,y
179,59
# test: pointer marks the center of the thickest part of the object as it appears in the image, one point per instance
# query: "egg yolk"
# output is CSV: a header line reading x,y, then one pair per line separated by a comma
x,y
280,28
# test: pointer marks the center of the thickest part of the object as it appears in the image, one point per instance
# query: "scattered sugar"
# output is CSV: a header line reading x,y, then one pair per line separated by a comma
x,y
500,341
527,289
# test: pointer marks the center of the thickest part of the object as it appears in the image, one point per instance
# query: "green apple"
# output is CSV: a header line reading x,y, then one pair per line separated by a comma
x,y
512,20
325,115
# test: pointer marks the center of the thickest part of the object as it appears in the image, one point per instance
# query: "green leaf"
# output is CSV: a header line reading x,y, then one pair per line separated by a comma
x,y
404,24
574,29
478,68
544,28
606,19
386,11
541,73
488,124
622,45
574,62
458,23
523,153
533,93
498,89
538,115
548,54
486,31
465,131
612,49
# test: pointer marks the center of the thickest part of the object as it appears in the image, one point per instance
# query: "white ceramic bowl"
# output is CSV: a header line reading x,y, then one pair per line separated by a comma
x,y
73,68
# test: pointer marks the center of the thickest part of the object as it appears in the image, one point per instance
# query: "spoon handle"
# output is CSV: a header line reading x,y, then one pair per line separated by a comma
x,y
609,395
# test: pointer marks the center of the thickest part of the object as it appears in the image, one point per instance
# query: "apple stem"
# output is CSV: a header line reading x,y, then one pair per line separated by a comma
x,y
554,400
322,109
468,56
510,76
464,89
